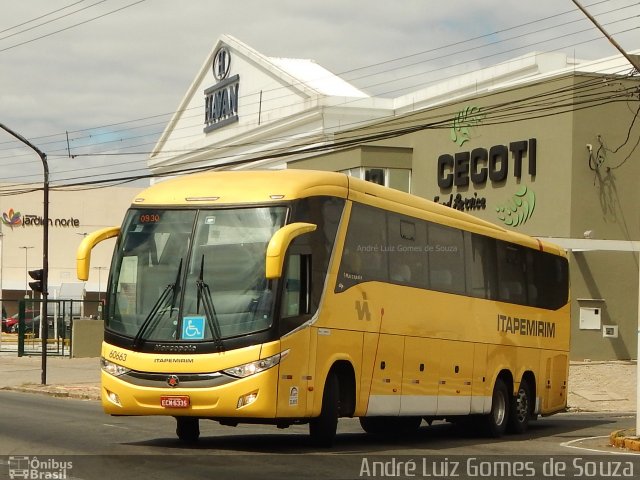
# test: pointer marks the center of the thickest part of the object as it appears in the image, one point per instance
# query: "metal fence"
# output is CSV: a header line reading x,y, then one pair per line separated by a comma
x,y
22,326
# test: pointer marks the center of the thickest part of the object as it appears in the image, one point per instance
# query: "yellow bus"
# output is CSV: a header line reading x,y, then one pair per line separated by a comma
x,y
289,297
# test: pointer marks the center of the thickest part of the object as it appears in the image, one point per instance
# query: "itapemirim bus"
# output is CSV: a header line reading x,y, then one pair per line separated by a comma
x,y
289,297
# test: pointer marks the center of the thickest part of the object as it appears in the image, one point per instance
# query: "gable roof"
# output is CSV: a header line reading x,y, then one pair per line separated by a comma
x,y
304,77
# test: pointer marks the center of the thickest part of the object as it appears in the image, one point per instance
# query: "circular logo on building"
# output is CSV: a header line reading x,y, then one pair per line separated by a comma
x,y
173,381
221,63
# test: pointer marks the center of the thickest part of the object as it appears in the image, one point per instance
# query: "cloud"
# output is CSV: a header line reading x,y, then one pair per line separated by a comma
x,y
139,62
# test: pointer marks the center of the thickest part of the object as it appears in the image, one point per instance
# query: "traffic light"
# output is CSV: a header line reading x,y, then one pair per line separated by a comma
x,y
38,276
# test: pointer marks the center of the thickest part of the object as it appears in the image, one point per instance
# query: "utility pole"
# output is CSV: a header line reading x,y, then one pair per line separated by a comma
x,y
633,60
45,248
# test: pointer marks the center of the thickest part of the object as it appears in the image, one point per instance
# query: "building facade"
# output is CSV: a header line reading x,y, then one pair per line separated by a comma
x,y
72,215
544,145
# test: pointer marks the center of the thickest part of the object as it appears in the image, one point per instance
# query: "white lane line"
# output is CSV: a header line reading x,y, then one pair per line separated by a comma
x,y
569,444
115,426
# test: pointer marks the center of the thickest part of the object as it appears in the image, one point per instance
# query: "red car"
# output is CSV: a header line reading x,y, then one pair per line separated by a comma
x,y
10,325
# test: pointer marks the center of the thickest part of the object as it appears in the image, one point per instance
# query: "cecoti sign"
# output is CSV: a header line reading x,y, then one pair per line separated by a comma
x,y
480,164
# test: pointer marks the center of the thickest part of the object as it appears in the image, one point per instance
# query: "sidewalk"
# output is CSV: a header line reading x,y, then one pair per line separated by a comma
x,y
75,377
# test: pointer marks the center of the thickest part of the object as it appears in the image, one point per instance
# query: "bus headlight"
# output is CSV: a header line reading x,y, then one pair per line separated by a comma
x,y
258,366
113,368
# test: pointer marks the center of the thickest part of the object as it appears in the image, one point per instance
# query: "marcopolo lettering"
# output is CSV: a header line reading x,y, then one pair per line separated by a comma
x,y
480,164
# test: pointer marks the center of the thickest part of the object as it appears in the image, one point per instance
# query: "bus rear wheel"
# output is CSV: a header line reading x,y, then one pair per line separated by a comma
x,y
188,429
520,409
323,427
495,422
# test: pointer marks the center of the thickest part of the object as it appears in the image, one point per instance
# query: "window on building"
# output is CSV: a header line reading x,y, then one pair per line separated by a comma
x,y
397,178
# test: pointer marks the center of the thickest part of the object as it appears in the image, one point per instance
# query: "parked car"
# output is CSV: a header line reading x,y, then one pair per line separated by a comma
x,y
10,325
32,325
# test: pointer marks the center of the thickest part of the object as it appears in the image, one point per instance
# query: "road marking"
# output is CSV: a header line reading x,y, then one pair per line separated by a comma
x,y
115,426
570,442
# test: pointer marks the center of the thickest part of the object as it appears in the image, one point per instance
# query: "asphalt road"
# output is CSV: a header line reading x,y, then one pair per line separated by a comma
x,y
58,430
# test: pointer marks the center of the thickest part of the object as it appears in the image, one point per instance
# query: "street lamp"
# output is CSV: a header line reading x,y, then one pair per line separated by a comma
x,y
100,282
26,271
45,245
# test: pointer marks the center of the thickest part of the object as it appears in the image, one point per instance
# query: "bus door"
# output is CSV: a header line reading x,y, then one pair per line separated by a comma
x,y
555,381
294,379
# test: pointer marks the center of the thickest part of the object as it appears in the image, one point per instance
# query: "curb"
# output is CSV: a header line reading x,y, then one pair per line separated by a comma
x,y
80,392
625,439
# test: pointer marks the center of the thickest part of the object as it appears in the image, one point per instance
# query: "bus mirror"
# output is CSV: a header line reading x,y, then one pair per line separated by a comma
x,y
83,254
279,243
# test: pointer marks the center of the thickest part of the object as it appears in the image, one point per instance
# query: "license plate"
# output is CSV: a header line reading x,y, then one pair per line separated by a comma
x,y
175,402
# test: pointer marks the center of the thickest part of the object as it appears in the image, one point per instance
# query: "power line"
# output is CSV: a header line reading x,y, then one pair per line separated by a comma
x,y
70,26
422,53
50,21
41,16
589,101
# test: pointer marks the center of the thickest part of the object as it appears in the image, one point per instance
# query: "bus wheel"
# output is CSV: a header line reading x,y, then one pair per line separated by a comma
x,y
188,429
495,422
520,409
323,428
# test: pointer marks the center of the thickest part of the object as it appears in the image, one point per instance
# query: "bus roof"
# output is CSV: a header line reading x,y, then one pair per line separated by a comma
x,y
265,186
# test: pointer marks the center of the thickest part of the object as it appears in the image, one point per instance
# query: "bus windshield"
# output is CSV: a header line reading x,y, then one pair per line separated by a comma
x,y
192,275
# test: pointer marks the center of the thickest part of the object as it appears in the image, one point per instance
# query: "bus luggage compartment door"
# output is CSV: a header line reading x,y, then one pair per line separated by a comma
x,y
386,382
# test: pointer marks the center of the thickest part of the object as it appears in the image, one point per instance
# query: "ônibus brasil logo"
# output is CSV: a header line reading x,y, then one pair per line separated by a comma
x,y
12,218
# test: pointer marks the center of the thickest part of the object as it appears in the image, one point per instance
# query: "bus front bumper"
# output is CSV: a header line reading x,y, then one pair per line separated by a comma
x,y
254,396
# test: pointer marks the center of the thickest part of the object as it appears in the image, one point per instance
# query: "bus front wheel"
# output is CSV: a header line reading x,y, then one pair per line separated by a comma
x,y
496,421
323,428
188,429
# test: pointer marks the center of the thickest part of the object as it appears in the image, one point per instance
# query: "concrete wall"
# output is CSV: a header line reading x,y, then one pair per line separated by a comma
x,y
605,200
86,338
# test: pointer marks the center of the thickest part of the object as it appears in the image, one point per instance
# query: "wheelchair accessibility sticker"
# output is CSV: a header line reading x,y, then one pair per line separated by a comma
x,y
193,328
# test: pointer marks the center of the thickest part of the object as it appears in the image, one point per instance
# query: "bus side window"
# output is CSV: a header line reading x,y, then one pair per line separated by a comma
x,y
296,287
446,259
365,253
482,266
512,285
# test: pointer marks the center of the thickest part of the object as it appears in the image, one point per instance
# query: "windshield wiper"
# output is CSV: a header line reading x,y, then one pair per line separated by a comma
x,y
204,295
153,313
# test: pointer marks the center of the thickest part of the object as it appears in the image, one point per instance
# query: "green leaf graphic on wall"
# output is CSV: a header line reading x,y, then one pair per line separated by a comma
x,y
518,209
463,122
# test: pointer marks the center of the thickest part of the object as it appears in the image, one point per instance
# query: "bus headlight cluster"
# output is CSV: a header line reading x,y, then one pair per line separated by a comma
x,y
258,366
113,368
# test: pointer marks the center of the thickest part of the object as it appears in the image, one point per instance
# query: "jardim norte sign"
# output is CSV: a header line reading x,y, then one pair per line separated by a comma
x,y
14,219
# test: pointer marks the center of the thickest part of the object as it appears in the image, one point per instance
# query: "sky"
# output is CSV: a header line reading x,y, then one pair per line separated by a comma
x,y
107,74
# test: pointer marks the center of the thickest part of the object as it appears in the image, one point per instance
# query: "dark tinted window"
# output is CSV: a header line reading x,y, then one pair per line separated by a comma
x,y
325,212
547,282
512,287
407,255
482,273
388,247
446,259
364,257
